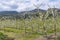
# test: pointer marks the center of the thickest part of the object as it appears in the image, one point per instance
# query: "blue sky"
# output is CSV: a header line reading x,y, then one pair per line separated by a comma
x,y
22,5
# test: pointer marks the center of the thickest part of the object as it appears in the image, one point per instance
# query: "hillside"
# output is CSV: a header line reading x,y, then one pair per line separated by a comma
x,y
26,14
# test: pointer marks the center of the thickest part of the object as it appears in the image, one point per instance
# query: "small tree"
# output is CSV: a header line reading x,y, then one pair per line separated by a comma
x,y
54,15
38,13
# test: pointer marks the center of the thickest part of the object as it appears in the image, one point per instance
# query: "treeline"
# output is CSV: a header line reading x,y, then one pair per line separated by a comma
x,y
20,16
28,14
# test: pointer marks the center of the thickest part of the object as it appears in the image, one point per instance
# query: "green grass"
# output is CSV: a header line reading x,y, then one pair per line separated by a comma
x,y
18,26
11,30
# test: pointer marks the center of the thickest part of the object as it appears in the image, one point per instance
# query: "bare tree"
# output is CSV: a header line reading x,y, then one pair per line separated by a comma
x,y
42,19
38,9
54,15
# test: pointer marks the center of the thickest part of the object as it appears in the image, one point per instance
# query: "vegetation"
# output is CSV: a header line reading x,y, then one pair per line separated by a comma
x,y
30,26
4,37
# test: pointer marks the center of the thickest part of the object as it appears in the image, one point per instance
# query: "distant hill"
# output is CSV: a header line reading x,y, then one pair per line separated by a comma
x,y
8,12
33,11
25,14
15,12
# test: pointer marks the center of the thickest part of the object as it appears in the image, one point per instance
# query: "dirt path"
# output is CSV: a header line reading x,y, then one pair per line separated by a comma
x,y
50,36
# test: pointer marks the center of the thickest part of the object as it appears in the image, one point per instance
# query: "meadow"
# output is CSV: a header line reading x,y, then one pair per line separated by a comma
x,y
29,29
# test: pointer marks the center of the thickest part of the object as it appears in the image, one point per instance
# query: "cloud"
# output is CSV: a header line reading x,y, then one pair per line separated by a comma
x,y
22,5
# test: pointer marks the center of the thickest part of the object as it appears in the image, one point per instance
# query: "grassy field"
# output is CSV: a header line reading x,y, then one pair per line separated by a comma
x,y
28,29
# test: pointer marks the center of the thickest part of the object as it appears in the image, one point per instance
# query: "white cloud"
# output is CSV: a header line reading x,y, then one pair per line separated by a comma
x,y
22,5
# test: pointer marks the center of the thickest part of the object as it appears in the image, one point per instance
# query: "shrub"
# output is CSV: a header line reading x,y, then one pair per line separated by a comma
x,y
4,37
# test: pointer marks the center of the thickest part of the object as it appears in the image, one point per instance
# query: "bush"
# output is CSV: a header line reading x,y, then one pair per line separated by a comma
x,y
3,37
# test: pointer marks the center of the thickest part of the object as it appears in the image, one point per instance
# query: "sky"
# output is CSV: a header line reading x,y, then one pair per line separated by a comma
x,y
23,5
